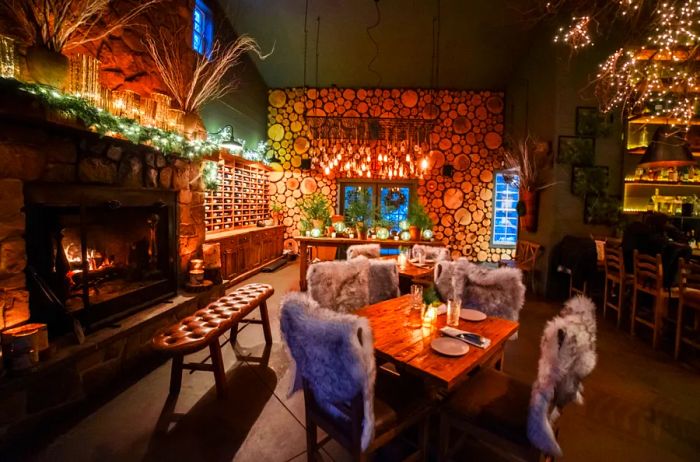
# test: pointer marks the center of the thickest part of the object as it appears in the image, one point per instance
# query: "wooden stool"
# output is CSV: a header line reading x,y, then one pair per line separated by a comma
x,y
689,297
616,280
205,326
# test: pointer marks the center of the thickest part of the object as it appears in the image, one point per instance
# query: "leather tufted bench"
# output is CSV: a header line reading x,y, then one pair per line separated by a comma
x,y
205,326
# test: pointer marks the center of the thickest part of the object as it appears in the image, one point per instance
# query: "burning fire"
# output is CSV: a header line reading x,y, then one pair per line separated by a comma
x,y
95,259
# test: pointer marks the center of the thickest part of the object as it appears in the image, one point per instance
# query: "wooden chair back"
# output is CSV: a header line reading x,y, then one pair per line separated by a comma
x,y
614,261
689,272
648,273
526,253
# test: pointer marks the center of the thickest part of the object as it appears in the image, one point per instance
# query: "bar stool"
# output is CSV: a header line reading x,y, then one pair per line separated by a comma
x,y
649,279
526,254
689,297
616,280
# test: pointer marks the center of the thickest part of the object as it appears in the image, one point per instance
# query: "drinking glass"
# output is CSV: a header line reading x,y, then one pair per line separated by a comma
x,y
416,296
453,311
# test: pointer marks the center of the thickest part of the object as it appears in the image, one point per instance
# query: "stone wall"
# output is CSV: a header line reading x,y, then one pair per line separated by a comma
x,y
467,135
50,153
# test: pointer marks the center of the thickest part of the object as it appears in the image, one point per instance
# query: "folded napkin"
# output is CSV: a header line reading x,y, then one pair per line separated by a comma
x,y
468,337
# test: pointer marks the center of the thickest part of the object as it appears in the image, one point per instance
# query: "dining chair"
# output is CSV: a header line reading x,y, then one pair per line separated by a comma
x,y
507,416
649,280
364,250
334,364
617,280
526,255
688,298
431,253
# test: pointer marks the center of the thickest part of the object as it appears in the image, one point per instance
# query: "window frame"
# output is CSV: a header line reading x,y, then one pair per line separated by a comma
x,y
206,36
376,185
500,245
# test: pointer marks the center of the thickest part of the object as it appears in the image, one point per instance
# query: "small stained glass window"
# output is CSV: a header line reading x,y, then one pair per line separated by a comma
x,y
202,28
505,213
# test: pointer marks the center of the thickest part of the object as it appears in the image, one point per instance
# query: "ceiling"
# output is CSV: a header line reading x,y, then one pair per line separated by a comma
x,y
480,41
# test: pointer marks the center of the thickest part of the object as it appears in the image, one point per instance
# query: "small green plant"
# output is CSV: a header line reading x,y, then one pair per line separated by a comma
x,y
430,295
418,216
276,207
360,211
315,208
210,175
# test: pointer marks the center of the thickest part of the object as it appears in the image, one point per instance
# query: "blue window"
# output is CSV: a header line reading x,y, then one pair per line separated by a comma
x,y
505,214
202,29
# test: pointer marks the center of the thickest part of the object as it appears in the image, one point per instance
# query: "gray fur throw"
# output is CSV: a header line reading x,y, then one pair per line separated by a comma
x,y
383,280
431,253
363,250
334,353
340,285
497,292
567,356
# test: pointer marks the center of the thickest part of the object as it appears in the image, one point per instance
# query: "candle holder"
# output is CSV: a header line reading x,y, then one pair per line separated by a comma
x,y
85,78
176,120
162,105
9,67
148,112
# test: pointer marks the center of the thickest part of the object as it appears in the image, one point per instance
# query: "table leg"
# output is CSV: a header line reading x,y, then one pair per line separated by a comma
x,y
302,266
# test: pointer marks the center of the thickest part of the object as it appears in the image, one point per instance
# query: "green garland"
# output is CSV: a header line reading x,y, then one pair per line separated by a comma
x,y
103,122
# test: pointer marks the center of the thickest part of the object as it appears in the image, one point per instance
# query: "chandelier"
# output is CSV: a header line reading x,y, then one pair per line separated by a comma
x,y
361,147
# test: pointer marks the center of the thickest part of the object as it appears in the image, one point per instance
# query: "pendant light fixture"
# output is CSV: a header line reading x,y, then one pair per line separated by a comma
x,y
668,148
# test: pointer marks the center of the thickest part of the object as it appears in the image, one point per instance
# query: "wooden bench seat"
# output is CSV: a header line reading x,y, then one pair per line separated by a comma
x,y
205,326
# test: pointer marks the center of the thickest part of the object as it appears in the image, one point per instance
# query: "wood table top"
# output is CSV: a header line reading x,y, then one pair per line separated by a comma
x,y
347,241
411,270
397,337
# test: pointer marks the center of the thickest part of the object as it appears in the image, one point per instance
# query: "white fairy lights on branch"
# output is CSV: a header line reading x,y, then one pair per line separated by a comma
x,y
578,35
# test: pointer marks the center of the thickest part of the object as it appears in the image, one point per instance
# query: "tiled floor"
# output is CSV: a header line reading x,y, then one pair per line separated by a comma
x,y
640,405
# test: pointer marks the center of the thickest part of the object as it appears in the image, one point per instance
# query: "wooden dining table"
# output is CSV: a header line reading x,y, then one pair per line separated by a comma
x,y
411,271
402,340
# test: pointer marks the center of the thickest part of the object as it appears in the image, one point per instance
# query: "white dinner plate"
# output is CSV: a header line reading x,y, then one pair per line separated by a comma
x,y
472,315
449,346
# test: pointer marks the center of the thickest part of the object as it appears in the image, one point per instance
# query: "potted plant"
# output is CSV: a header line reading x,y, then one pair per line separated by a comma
x,y
530,160
418,220
276,209
316,211
50,27
359,212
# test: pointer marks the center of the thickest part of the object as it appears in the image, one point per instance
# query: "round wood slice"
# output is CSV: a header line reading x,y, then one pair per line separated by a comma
x,y
495,104
292,184
275,176
486,194
461,125
445,144
409,98
296,163
453,198
486,176
436,203
291,203
329,107
276,167
478,215
308,185
362,107
431,185
301,145
481,113
471,238
437,159
316,112
482,256
299,107
288,221
430,112
463,217
276,132
296,126
493,140
277,98
461,162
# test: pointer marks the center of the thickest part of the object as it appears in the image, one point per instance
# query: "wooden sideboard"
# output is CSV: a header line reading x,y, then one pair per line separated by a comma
x,y
245,251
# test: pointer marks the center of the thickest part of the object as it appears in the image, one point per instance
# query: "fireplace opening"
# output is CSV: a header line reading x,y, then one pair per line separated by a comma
x,y
95,254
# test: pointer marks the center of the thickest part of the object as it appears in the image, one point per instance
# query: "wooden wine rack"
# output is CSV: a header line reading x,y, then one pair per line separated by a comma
x,y
242,198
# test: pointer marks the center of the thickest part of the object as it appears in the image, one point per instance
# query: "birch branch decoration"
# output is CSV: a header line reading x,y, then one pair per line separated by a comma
x,y
63,24
195,79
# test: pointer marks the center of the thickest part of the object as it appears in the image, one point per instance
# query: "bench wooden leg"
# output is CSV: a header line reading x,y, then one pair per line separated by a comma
x,y
176,375
217,362
265,322
234,336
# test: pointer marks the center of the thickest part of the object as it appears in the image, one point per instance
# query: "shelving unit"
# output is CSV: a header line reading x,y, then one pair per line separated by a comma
x,y
242,198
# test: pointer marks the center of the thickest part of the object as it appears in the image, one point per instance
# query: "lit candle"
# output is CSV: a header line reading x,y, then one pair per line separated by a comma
x,y
430,316
402,260
333,235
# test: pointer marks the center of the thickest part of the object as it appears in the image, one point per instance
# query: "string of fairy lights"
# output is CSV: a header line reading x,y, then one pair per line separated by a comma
x,y
660,77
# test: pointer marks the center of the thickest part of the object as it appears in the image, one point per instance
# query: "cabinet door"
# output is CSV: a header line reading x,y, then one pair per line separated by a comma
x,y
228,263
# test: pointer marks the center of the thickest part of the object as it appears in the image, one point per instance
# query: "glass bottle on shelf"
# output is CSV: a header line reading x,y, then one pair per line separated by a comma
x,y
673,175
655,200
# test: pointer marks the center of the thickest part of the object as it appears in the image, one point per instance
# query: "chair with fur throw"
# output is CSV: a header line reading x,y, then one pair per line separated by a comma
x,y
333,362
345,286
513,419
363,250
431,253
497,292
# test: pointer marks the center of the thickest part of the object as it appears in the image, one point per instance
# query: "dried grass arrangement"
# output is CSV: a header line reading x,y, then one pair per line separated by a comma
x,y
195,79
532,159
57,25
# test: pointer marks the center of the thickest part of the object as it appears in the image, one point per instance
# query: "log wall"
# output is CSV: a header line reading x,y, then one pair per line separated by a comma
x,y
467,135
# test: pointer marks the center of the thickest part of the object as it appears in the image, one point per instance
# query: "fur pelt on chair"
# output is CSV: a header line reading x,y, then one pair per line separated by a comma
x,y
567,356
497,292
340,285
431,253
383,280
363,250
333,352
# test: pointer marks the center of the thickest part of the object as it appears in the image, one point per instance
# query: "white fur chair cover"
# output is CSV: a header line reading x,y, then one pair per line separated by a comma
x,y
364,250
334,352
497,292
383,280
431,253
340,285
567,356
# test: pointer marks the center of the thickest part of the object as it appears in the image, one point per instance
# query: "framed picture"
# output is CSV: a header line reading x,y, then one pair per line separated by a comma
x,y
589,180
591,122
576,150
601,210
